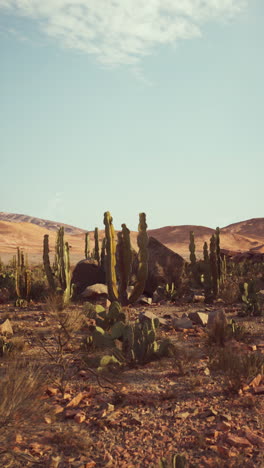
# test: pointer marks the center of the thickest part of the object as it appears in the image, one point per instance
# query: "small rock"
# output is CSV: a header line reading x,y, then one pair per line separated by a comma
x,y
144,300
223,451
95,290
223,426
238,441
183,323
259,390
255,439
256,381
182,415
226,417
197,298
79,417
199,318
6,328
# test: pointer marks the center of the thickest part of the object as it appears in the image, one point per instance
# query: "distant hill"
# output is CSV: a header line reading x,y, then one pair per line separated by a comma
x,y
27,232
50,225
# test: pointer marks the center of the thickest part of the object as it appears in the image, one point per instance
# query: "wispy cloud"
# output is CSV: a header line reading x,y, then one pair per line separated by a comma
x,y
123,31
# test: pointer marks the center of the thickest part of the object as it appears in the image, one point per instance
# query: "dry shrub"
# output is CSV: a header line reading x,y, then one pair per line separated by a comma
x,y
222,331
183,358
70,440
230,292
238,369
21,388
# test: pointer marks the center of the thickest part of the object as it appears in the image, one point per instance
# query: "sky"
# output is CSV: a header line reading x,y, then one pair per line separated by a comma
x,y
131,106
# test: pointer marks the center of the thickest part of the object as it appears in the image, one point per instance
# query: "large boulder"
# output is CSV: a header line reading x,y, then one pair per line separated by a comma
x,y
86,273
164,266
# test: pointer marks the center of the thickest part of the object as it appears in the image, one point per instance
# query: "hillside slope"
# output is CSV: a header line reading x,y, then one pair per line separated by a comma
x,y
27,232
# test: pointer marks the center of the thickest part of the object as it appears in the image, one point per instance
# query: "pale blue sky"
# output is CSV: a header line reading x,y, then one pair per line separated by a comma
x,y
126,106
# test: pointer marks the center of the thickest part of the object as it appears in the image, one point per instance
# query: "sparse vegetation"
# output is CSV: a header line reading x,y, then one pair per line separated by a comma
x,y
119,384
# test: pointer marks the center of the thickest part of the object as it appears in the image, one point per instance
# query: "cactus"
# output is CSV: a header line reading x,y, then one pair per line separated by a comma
x,y
124,255
125,260
23,277
102,260
59,278
142,273
214,267
68,291
110,257
87,246
46,263
207,273
192,250
96,245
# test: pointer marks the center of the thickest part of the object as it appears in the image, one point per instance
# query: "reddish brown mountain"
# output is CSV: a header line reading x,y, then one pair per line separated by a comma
x,y
27,232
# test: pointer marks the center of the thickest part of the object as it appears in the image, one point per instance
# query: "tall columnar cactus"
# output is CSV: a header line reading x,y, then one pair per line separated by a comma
x,y
218,254
125,260
124,255
102,259
96,245
110,257
192,250
207,272
214,266
87,245
23,277
60,277
142,273
60,258
46,263
67,294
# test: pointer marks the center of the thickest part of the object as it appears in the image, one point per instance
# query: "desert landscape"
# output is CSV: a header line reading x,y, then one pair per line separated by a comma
x,y
144,350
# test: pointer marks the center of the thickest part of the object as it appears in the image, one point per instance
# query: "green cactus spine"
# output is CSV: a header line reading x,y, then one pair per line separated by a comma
x,y
87,246
110,257
142,273
46,263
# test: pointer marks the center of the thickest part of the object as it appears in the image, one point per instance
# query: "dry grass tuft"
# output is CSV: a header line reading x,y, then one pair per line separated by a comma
x,y
238,369
21,388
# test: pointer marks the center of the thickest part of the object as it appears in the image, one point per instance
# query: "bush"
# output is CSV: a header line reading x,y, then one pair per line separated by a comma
x,y
238,369
230,292
223,331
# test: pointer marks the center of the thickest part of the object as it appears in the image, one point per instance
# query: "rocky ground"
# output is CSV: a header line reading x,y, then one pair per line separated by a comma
x,y
132,417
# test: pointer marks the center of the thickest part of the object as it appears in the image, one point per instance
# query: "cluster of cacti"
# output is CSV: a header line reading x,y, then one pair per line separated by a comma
x,y
117,291
214,267
138,340
23,277
59,278
249,296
